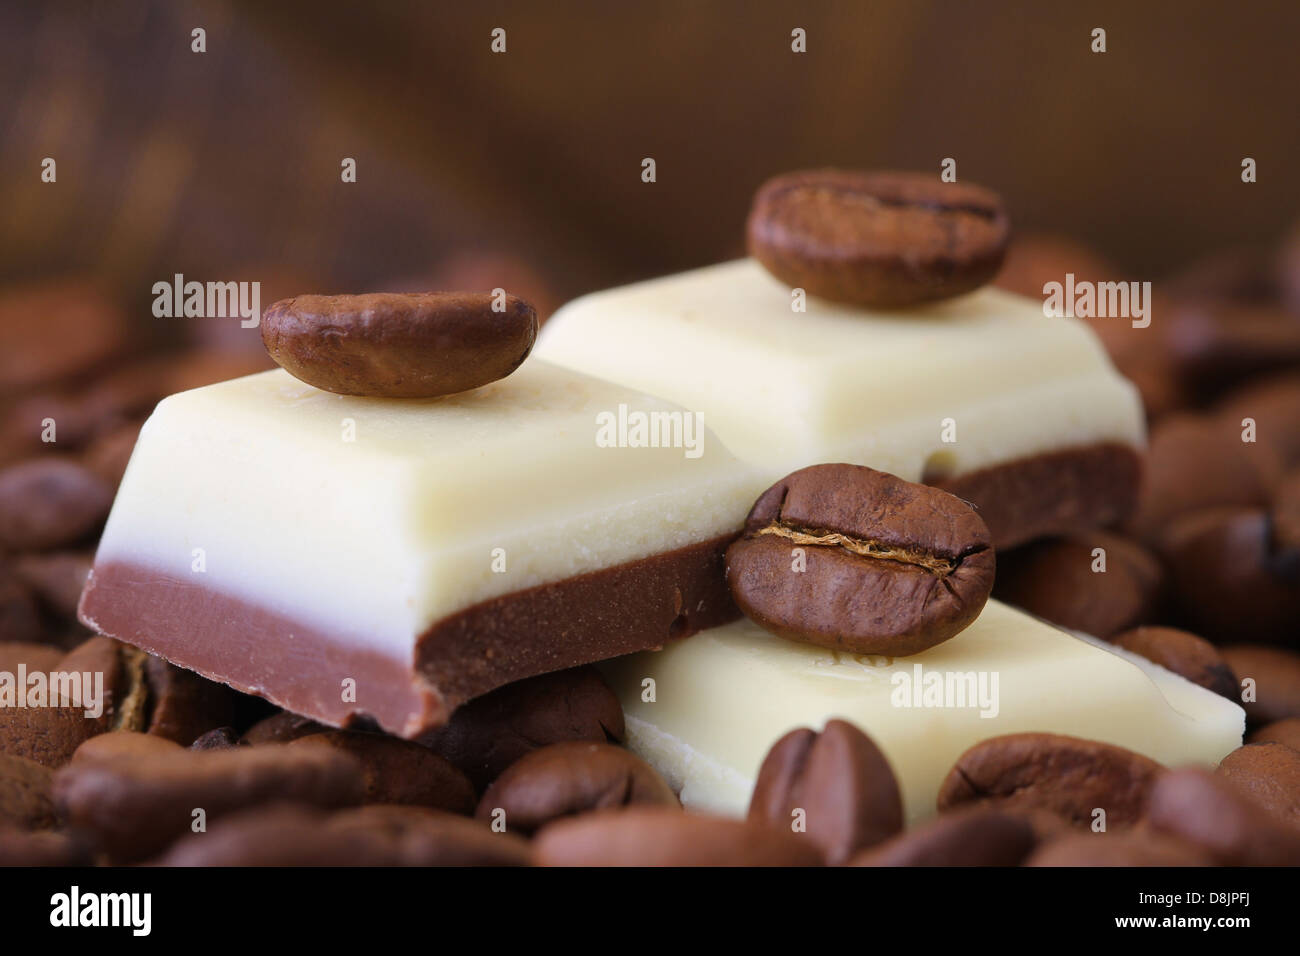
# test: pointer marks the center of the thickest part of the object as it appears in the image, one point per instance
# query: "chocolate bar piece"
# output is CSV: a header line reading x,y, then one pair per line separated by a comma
x,y
387,559
704,712
983,395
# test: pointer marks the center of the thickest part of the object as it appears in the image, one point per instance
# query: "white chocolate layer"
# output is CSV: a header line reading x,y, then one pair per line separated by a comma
x,y
724,696
785,389
384,534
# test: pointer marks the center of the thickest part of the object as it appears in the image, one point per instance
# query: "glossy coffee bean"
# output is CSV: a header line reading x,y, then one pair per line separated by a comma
x,y
835,785
877,239
1068,776
392,345
568,779
1185,654
858,560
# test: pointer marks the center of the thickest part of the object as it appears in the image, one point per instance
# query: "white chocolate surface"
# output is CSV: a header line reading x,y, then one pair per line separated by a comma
x,y
784,389
725,695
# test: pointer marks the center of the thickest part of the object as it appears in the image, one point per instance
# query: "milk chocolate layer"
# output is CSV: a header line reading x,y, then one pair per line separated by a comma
x,y
591,617
1058,492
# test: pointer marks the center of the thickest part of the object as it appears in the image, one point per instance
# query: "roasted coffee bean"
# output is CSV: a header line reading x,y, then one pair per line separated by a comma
x,y
49,732
133,807
568,779
1138,846
857,560
1269,774
219,738
41,848
1066,775
1210,812
55,579
369,836
1285,731
53,331
121,744
35,657
50,503
281,728
1273,405
662,836
1273,693
25,800
1063,581
491,732
836,783
185,705
877,239
1216,345
1195,462
1185,654
975,836
400,346
399,771
20,618
1228,582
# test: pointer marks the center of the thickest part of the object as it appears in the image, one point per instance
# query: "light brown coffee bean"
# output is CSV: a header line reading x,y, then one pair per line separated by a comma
x,y
491,732
399,771
135,806
50,503
396,345
1268,773
662,836
972,836
836,783
877,239
858,560
25,800
1274,675
1062,581
1210,812
1137,846
1185,654
568,779
1070,777
1285,731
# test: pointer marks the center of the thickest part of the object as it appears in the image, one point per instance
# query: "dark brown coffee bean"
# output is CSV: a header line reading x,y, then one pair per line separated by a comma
x,y
49,733
1228,582
1066,775
568,779
135,806
662,836
877,239
1269,774
1274,674
835,785
55,579
399,771
41,848
368,836
1216,345
25,800
35,657
120,744
185,705
1208,811
974,836
399,345
1274,406
1138,846
53,331
855,559
219,738
1285,731
1196,462
491,732
20,618
1185,654
281,728
1063,581
50,503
